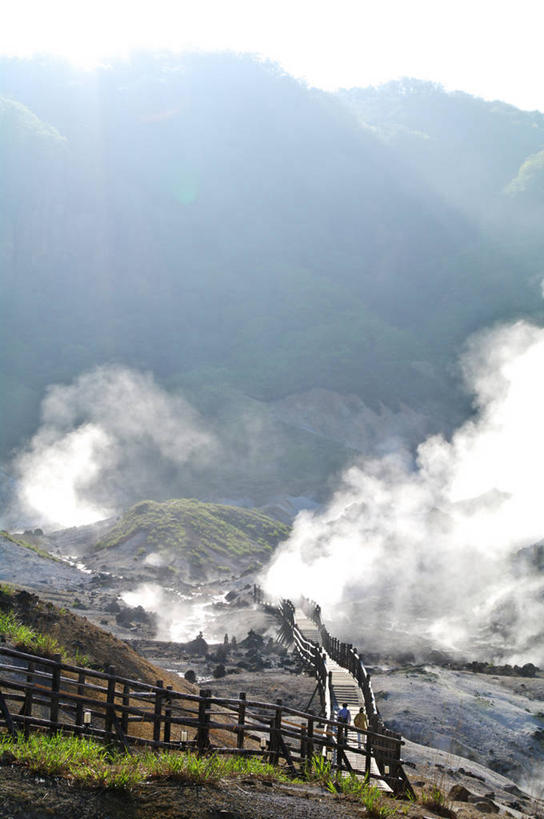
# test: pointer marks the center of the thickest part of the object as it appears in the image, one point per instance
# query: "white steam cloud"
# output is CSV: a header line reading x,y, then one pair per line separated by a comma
x,y
102,438
435,545
179,618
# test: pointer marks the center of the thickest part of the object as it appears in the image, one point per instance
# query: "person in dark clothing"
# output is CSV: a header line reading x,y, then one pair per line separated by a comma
x,y
344,714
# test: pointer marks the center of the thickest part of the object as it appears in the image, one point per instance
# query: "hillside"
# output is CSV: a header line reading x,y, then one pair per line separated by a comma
x,y
79,639
467,148
178,540
24,562
254,243
225,227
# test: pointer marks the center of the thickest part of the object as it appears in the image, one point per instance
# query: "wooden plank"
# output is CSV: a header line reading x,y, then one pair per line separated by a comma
x,y
27,708
79,705
167,715
125,707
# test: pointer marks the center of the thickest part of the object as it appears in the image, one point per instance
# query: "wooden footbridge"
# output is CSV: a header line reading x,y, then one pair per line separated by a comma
x,y
49,695
342,678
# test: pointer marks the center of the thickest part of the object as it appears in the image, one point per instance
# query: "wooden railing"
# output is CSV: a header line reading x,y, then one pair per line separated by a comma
x,y
310,654
387,747
48,695
349,658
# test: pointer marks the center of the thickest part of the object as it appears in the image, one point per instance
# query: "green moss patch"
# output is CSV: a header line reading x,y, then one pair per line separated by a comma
x,y
193,529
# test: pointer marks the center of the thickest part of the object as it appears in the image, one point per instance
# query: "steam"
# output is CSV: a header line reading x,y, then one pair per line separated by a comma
x,y
435,544
179,618
112,434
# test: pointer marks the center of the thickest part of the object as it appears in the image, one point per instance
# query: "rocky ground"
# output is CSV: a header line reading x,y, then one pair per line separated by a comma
x,y
24,795
483,732
495,720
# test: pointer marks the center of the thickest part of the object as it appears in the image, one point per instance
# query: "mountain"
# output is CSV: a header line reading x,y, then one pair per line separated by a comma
x,y
466,148
176,540
248,239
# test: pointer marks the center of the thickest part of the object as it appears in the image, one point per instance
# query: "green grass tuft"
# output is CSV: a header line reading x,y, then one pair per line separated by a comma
x,y
195,529
320,770
27,639
86,762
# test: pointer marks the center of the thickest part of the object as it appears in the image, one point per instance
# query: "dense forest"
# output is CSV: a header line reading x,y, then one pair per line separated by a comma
x,y
245,238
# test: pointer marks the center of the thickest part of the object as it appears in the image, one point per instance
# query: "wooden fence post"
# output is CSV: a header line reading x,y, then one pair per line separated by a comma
x,y
7,716
310,742
55,691
241,720
271,741
167,715
79,704
277,731
110,703
27,706
303,744
203,732
340,744
126,705
368,750
157,713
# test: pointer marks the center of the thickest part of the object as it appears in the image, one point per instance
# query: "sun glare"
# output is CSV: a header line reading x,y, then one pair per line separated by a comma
x,y
356,42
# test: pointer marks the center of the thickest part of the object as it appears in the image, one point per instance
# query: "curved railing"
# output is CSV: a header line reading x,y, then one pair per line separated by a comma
x,y
349,658
310,654
386,749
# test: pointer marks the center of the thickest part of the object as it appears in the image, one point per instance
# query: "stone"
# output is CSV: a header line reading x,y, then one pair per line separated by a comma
x,y
486,806
458,793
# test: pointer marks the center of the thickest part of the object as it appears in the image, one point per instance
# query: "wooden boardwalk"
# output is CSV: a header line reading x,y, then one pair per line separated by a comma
x,y
343,688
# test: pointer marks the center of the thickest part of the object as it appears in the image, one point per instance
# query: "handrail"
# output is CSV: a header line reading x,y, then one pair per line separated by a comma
x,y
349,658
161,712
310,654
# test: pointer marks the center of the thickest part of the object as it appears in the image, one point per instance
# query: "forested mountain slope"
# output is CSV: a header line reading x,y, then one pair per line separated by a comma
x,y
466,148
214,221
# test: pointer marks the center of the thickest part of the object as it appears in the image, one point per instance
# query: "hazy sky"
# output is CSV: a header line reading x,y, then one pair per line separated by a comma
x,y
492,48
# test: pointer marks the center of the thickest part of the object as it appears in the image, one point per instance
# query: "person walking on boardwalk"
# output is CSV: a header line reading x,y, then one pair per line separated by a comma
x,y
344,714
361,723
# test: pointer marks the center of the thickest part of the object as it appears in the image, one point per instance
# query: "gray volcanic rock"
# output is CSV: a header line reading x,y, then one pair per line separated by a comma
x,y
469,785
346,419
78,540
492,720
24,566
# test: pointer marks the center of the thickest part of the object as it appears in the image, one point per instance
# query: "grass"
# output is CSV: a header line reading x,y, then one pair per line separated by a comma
x,y
25,638
320,770
86,762
435,799
20,542
195,529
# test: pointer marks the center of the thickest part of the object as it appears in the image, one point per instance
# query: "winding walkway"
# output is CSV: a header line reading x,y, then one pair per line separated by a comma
x,y
344,688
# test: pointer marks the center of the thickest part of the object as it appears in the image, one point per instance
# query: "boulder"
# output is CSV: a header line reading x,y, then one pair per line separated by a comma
x,y
486,806
458,793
